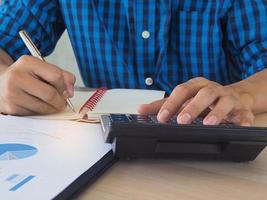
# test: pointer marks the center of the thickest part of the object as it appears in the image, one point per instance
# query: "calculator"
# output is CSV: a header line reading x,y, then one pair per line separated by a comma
x,y
142,136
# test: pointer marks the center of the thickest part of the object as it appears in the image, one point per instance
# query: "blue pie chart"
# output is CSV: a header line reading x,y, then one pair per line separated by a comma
x,y
16,151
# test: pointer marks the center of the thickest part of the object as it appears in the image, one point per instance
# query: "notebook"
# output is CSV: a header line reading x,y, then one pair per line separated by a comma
x,y
90,105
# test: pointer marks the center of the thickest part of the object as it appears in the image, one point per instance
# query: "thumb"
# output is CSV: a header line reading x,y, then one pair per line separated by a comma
x,y
151,108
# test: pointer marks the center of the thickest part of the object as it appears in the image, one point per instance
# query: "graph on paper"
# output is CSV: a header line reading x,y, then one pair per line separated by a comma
x,y
16,151
16,181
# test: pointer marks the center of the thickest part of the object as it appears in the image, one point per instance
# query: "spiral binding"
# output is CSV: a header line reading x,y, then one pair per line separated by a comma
x,y
94,99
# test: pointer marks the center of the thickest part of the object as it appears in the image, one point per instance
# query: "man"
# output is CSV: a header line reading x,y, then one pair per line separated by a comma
x,y
203,53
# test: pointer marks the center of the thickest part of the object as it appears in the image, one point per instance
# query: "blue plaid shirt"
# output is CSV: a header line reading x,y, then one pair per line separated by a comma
x,y
120,43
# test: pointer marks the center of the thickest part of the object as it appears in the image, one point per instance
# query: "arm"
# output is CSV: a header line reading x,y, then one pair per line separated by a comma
x,y
237,103
246,34
40,19
256,87
5,61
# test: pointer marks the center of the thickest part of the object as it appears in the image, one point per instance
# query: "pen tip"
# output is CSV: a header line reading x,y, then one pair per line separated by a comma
x,y
70,105
73,110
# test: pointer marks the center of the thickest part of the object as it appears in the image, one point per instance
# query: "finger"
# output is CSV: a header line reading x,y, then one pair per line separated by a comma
x,y
43,91
46,72
69,80
13,109
179,96
185,104
151,108
246,118
9,104
154,107
203,99
33,104
53,76
20,111
222,108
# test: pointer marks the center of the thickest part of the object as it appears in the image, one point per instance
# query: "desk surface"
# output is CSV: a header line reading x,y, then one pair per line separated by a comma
x,y
173,179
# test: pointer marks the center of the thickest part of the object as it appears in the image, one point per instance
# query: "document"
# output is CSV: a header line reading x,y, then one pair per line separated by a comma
x,y
40,158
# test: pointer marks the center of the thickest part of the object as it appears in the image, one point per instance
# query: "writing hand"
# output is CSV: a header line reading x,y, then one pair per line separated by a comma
x,y
31,86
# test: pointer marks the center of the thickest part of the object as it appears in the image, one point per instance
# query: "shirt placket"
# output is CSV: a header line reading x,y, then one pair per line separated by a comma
x,y
145,19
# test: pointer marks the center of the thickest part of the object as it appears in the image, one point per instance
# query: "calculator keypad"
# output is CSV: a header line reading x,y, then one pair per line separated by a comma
x,y
152,119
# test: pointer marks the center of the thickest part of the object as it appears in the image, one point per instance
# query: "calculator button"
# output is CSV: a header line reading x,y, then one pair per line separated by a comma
x,y
142,118
198,121
153,119
119,118
173,120
139,118
133,117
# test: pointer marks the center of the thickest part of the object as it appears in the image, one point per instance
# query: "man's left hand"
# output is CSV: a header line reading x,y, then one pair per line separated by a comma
x,y
194,97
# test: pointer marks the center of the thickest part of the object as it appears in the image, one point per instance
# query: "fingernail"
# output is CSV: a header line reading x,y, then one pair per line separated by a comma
x,y
212,120
141,108
184,118
163,116
246,124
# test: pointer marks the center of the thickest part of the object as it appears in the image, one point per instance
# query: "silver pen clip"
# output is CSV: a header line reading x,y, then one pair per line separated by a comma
x,y
30,45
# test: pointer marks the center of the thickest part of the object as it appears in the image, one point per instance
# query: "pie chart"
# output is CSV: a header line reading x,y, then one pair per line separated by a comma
x,y
16,151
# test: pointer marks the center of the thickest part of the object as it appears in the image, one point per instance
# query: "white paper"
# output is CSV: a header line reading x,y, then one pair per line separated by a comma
x,y
126,100
60,151
114,101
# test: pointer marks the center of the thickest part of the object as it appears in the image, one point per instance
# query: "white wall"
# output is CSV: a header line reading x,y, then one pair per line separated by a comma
x,y
63,57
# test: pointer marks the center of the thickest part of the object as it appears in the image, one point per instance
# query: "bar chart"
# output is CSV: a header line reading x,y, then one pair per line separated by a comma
x,y
16,181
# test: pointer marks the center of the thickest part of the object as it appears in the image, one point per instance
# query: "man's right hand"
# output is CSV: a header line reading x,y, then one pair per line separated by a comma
x,y
31,86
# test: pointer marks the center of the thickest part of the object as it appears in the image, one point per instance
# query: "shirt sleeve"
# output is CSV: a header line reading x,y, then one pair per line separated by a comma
x,y
247,35
40,18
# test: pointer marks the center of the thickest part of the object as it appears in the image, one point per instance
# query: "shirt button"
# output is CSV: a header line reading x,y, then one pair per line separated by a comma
x,y
149,81
145,34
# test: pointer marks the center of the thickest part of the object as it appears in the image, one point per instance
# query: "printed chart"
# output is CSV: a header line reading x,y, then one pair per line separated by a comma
x,y
16,151
16,181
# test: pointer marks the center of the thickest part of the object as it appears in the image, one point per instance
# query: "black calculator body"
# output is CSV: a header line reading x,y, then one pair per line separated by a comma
x,y
139,136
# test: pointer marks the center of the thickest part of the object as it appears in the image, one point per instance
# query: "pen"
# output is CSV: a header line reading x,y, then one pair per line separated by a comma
x,y
36,53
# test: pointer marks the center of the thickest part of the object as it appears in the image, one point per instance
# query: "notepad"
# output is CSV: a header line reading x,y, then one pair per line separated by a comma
x,y
90,105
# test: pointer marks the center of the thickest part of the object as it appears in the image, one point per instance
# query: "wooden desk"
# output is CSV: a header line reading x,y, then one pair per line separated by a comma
x,y
185,180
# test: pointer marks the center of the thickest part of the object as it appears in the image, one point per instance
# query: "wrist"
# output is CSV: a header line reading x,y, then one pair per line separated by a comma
x,y
244,92
3,68
5,61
